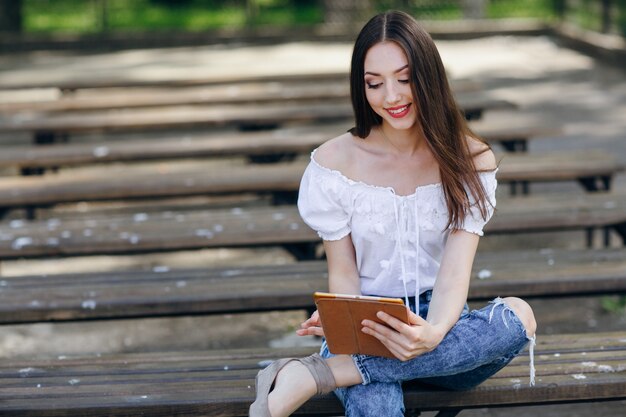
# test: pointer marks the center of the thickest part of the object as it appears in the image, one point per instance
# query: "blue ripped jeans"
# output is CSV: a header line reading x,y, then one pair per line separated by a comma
x,y
480,344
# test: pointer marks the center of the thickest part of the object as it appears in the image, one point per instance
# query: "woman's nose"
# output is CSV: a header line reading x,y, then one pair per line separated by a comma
x,y
392,95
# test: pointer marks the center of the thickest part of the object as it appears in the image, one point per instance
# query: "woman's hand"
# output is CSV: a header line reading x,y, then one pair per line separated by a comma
x,y
405,341
312,326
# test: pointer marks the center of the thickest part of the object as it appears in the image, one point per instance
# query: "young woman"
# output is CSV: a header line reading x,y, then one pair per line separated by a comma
x,y
400,202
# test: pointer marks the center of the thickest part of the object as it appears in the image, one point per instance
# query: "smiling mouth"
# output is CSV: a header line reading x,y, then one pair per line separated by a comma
x,y
399,111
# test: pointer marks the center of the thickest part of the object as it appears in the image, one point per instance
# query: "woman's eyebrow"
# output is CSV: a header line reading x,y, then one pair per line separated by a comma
x,y
395,72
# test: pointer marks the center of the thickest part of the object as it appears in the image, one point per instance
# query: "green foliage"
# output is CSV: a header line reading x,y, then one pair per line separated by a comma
x,y
614,304
85,16
621,16
498,9
60,16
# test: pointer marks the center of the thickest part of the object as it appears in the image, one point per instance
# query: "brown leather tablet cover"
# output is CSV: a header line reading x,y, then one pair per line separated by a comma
x,y
341,319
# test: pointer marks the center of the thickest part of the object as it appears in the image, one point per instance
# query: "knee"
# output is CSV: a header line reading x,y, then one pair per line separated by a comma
x,y
524,312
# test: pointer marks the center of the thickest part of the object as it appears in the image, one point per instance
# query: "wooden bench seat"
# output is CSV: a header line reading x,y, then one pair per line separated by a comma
x,y
49,127
570,368
474,102
99,83
267,226
262,145
161,292
593,169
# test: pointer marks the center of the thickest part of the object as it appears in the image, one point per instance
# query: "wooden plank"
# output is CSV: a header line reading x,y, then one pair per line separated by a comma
x,y
263,226
209,383
162,292
177,117
171,181
288,110
126,82
272,142
224,94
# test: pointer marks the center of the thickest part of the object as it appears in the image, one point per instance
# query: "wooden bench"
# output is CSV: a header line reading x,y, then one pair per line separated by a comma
x,y
49,128
474,102
268,146
163,292
69,86
267,226
570,368
593,169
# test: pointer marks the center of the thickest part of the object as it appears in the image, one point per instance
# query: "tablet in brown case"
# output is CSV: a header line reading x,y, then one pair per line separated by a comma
x,y
341,317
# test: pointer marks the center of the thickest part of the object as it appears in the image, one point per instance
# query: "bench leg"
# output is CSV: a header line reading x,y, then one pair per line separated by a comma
x,y
44,138
599,183
272,158
30,171
302,251
473,115
514,145
525,186
589,237
281,198
31,212
621,230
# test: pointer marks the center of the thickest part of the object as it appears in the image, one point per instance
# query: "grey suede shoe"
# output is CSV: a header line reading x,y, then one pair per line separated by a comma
x,y
264,381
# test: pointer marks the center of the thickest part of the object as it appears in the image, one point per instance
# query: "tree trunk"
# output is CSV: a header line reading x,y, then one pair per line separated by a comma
x,y
606,16
11,16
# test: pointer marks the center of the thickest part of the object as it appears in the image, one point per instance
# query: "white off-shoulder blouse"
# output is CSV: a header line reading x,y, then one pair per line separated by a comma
x,y
398,240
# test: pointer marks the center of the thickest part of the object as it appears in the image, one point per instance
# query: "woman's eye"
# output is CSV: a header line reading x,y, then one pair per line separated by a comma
x,y
373,86
404,81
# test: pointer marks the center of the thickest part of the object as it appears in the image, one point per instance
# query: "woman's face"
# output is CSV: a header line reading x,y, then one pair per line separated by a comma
x,y
387,85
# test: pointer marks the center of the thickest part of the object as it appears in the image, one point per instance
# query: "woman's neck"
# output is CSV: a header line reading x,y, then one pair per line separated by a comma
x,y
406,142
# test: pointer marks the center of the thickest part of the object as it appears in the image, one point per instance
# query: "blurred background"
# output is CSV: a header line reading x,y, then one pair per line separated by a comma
x,y
92,90
101,16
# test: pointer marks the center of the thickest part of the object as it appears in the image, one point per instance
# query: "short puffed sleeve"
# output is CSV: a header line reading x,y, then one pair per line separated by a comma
x,y
474,221
323,201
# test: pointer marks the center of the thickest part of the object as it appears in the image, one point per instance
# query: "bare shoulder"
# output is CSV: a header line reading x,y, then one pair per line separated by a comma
x,y
336,153
484,159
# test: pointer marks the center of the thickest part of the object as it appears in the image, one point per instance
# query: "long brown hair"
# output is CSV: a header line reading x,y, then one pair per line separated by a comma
x,y
444,126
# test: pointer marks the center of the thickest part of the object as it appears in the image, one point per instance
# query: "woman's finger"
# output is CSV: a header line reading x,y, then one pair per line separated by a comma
x,y
392,322
314,320
416,320
395,348
384,333
311,331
